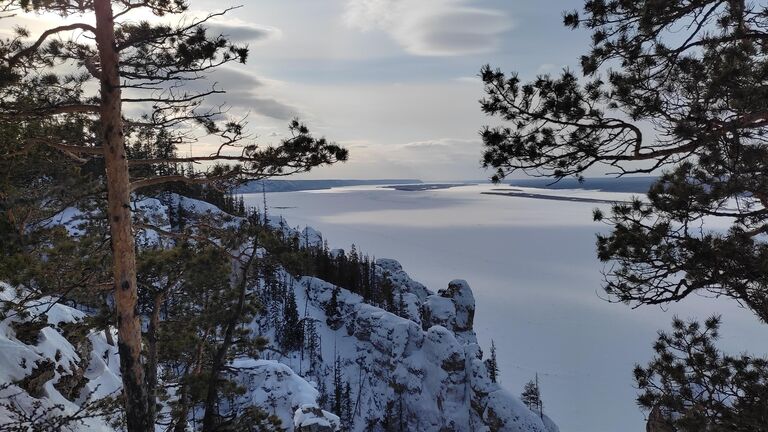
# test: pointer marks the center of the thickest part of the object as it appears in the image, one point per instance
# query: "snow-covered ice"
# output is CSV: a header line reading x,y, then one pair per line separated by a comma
x,y
536,281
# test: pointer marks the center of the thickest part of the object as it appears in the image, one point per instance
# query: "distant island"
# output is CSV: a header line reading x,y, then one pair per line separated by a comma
x,y
303,185
425,187
639,184
520,194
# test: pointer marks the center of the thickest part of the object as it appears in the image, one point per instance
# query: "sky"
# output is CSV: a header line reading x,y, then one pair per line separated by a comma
x,y
394,81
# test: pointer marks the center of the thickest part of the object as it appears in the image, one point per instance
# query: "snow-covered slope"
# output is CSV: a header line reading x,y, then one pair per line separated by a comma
x,y
54,369
425,369
421,370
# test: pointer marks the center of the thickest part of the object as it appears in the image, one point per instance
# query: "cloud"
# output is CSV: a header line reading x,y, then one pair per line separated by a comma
x,y
271,107
447,147
431,27
240,33
243,91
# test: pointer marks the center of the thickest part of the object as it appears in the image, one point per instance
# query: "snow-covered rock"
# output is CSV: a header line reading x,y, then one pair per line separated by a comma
x,y
310,418
277,389
46,368
428,371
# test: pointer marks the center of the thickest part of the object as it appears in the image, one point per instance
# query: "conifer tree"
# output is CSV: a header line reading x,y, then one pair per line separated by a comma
x,y
387,293
312,344
693,386
389,420
699,96
531,396
400,309
338,386
323,398
292,332
676,88
332,312
142,57
353,272
492,365
347,419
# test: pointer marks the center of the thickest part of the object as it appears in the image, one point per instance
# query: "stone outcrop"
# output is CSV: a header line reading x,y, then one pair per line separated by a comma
x,y
430,369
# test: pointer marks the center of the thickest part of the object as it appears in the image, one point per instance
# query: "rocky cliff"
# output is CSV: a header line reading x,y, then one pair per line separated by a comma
x,y
423,371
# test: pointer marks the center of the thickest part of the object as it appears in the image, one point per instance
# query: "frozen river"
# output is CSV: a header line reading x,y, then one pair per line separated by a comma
x,y
531,263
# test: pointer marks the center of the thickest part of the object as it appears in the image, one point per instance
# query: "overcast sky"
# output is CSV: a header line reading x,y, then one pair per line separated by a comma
x,y
395,81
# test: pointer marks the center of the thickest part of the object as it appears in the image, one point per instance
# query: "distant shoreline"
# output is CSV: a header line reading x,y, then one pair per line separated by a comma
x,y
269,186
514,193
636,184
426,187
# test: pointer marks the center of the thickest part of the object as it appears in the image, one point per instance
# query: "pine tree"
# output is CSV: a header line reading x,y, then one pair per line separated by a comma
x,y
332,312
669,87
492,365
312,344
353,272
531,396
401,307
292,332
113,50
323,398
693,386
389,420
701,89
347,419
338,386
387,294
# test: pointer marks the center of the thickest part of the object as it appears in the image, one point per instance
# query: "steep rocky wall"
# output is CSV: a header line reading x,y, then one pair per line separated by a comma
x,y
426,371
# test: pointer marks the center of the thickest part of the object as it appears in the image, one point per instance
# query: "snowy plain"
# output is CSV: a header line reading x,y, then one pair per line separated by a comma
x,y
531,264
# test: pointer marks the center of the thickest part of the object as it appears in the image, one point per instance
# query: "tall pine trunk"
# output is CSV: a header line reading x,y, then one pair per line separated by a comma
x,y
119,213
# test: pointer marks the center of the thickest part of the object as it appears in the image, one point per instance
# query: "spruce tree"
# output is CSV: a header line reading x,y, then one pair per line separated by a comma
x,y
531,396
312,344
492,365
338,386
346,413
332,312
292,332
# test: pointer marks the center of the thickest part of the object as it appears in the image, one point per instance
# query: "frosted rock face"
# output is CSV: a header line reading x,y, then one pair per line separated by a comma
x,y
403,282
452,308
464,302
275,387
427,373
49,369
438,310
310,418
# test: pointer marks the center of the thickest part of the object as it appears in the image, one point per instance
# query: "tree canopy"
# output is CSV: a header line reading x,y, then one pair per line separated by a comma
x,y
93,92
670,87
676,89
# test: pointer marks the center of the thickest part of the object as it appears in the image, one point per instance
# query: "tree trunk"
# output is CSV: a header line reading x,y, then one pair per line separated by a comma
x,y
180,416
119,213
154,323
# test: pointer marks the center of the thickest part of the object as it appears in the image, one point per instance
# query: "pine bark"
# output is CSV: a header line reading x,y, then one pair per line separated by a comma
x,y
119,213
